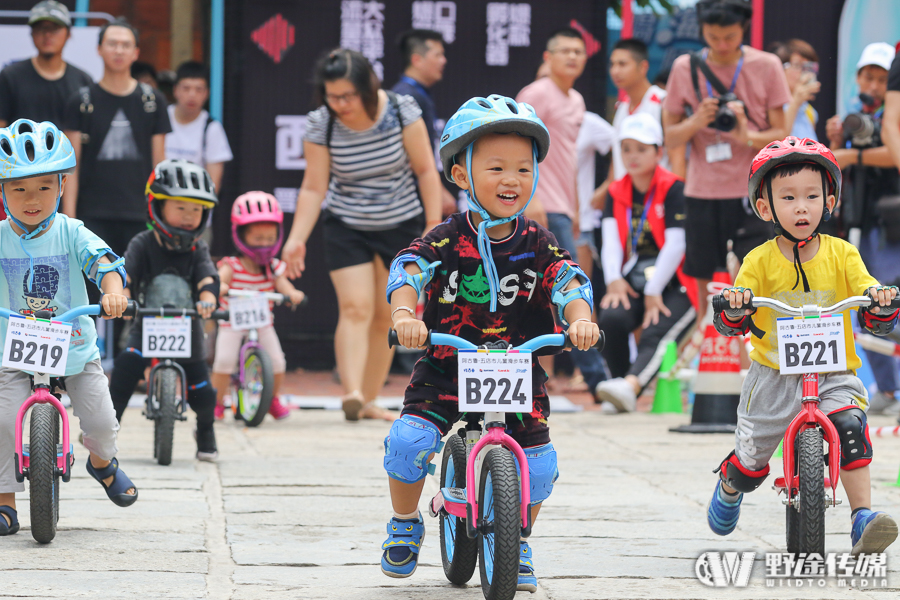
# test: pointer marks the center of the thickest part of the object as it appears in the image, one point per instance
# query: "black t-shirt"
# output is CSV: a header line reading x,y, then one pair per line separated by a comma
x,y
674,216
117,155
145,258
24,94
894,75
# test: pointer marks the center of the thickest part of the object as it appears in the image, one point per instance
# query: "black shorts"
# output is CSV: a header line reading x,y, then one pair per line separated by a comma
x,y
346,247
710,224
432,395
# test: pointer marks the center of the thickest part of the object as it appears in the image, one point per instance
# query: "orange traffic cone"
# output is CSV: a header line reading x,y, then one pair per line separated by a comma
x,y
717,387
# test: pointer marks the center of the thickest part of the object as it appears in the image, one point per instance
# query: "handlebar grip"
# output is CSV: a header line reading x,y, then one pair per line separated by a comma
x,y
393,340
720,303
601,342
220,315
130,310
304,302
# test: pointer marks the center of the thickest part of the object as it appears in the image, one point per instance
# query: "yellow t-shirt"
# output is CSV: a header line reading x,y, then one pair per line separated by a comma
x,y
835,273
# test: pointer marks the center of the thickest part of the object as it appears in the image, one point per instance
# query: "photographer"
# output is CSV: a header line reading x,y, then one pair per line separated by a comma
x,y
870,206
725,130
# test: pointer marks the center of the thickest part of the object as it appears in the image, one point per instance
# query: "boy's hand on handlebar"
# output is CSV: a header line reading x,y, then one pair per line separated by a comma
x,y
411,332
205,309
113,305
738,297
882,296
583,334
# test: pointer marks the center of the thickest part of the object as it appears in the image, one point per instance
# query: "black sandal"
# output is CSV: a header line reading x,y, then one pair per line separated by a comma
x,y
13,525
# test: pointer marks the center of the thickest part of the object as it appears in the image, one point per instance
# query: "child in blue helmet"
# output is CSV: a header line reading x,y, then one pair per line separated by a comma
x,y
42,257
488,275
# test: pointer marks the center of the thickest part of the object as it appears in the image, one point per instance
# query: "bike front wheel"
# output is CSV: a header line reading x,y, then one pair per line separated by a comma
x,y
42,472
806,519
164,422
458,553
499,505
256,389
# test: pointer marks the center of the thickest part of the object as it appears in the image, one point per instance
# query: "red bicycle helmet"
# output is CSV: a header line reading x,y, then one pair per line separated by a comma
x,y
792,150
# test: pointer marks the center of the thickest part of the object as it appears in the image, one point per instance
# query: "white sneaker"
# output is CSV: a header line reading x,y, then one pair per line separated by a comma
x,y
607,408
617,392
881,403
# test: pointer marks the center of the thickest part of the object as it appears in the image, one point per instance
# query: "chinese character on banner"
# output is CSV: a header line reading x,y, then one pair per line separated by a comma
x,y
507,25
439,16
520,25
644,26
289,142
362,29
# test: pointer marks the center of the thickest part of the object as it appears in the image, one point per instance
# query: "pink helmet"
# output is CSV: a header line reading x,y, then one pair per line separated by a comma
x,y
257,207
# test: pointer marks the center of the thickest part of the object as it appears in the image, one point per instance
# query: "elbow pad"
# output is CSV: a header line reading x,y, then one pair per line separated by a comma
x,y
398,276
96,270
561,298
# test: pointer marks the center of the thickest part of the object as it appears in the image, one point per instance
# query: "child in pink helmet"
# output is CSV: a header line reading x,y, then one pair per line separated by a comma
x,y
257,231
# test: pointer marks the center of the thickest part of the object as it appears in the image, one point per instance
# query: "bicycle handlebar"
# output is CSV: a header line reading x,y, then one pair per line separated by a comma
x,y
72,314
219,315
542,341
720,304
273,296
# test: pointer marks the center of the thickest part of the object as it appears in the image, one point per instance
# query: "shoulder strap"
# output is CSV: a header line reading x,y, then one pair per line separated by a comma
x,y
329,129
698,62
86,108
209,121
395,104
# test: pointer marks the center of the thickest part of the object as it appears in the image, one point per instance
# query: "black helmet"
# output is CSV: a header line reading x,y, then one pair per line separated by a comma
x,y
178,179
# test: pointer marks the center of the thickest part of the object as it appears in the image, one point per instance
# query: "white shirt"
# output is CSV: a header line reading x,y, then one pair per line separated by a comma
x,y
186,140
651,104
595,135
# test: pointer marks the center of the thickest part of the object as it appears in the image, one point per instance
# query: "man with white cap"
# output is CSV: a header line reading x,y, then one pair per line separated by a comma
x,y
642,256
38,88
870,207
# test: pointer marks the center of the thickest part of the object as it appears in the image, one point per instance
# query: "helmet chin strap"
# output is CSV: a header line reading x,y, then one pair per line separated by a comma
x,y
798,243
43,225
487,221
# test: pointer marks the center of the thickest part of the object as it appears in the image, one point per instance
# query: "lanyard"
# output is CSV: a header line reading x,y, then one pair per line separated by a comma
x,y
415,84
648,200
737,72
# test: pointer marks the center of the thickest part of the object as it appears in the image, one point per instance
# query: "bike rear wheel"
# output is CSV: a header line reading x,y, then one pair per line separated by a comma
x,y
500,516
164,423
806,521
459,554
42,472
256,388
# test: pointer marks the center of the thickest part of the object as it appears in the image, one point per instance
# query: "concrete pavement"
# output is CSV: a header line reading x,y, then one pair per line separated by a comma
x,y
297,509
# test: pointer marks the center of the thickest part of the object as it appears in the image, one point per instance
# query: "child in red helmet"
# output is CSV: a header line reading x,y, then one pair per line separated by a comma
x,y
257,231
794,183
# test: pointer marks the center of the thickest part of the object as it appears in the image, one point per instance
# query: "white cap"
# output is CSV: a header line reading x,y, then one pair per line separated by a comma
x,y
642,128
879,54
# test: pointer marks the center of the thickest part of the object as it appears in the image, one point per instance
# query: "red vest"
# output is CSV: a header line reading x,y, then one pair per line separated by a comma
x,y
621,192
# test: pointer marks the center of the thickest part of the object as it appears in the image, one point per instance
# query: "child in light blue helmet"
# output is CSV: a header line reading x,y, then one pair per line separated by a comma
x,y
42,257
489,275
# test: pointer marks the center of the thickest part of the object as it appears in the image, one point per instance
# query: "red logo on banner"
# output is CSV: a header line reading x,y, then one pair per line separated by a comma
x,y
274,37
590,42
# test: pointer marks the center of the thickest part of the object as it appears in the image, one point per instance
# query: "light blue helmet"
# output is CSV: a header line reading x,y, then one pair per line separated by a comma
x,y
29,149
474,119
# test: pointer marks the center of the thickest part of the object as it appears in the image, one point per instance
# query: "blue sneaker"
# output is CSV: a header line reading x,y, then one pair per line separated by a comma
x,y
401,549
722,516
527,580
872,532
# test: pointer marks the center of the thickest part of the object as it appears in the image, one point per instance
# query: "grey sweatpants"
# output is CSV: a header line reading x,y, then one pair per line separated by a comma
x,y
89,392
770,401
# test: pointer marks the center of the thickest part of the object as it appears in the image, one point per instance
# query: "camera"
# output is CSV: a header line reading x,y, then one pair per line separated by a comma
x,y
725,119
861,129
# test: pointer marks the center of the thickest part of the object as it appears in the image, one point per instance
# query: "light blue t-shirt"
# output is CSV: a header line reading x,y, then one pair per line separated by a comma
x,y
59,256
805,124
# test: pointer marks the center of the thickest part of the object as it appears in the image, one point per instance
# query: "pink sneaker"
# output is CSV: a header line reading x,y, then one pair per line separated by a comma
x,y
279,410
220,412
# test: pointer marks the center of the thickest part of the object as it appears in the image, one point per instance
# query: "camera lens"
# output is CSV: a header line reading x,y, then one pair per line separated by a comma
x,y
725,119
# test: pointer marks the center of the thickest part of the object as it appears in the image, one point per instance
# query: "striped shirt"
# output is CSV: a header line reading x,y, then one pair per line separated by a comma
x,y
242,279
372,185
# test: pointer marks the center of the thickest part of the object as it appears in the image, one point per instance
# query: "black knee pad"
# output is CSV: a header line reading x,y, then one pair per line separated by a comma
x,y
202,399
853,430
738,477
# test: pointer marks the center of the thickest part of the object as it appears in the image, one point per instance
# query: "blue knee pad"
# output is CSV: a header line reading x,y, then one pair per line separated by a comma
x,y
542,471
407,447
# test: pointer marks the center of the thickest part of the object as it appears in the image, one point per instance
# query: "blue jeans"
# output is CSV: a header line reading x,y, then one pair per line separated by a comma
x,y
882,259
589,362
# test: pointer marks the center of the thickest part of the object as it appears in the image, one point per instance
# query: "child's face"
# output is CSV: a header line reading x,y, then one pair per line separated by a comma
x,y
640,159
260,235
181,214
797,200
502,170
33,199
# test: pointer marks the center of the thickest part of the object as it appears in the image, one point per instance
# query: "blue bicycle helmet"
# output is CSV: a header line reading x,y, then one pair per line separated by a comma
x,y
29,149
479,117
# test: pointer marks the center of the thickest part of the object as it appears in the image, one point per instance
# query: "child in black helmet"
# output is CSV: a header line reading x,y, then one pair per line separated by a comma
x,y
170,265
